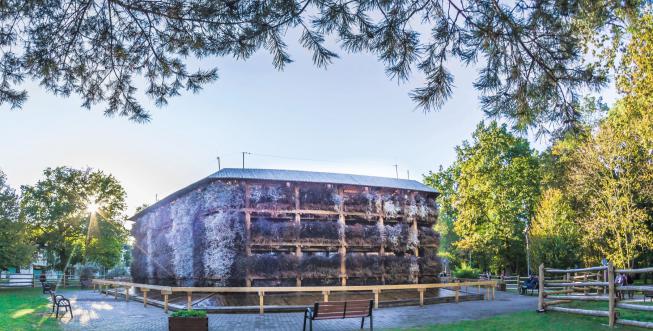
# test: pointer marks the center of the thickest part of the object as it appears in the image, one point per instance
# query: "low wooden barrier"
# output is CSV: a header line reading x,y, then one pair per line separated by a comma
x,y
550,294
488,285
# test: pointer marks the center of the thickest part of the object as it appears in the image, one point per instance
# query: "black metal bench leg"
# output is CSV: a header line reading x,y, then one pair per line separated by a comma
x,y
304,322
310,322
71,312
362,322
57,315
371,323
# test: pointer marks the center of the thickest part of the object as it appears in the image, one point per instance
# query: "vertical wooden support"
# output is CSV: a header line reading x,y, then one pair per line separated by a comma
x,y
298,254
189,303
248,233
145,290
540,292
127,293
115,292
457,294
165,300
326,295
493,289
343,241
421,296
611,296
376,298
568,279
260,302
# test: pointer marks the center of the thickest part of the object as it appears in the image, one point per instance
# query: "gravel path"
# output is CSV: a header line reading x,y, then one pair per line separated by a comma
x,y
94,311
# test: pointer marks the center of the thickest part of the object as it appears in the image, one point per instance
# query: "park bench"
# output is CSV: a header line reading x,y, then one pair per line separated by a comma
x,y
340,310
59,301
523,288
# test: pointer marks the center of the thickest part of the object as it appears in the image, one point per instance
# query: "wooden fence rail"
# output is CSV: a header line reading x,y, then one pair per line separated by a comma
x,y
548,300
488,285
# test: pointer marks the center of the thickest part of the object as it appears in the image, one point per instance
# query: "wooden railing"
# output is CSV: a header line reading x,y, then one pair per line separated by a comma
x,y
101,284
553,293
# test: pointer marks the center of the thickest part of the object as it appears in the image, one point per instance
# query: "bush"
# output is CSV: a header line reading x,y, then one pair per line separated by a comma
x,y
189,314
466,272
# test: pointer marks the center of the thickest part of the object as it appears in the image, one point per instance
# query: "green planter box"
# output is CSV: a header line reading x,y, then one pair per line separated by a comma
x,y
188,323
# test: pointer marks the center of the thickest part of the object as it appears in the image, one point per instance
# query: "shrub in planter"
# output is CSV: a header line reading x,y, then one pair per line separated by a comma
x,y
188,320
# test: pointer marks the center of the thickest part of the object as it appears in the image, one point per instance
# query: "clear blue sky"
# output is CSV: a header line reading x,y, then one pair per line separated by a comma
x,y
349,118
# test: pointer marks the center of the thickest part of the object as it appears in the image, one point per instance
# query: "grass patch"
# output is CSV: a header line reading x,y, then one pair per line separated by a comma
x,y
530,320
26,309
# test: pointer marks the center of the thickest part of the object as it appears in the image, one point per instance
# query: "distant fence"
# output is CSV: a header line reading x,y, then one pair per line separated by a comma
x,y
101,284
31,280
602,280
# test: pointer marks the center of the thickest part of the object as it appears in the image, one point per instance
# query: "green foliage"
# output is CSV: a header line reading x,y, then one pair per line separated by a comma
x,y
497,190
466,272
15,250
189,314
56,210
554,234
530,53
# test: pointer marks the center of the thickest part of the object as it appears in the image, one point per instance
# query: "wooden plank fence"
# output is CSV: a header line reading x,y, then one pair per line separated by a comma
x,y
103,286
577,287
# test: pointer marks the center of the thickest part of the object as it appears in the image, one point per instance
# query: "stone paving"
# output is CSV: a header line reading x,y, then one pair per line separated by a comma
x,y
93,311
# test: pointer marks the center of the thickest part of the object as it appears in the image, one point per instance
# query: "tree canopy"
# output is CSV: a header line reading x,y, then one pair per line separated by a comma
x,y
491,191
77,215
15,250
530,54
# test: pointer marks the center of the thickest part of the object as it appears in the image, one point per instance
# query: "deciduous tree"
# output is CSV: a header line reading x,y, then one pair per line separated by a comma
x,y
15,249
57,211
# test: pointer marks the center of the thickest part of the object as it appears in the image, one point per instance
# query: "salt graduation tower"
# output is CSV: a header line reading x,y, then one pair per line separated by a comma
x,y
259,227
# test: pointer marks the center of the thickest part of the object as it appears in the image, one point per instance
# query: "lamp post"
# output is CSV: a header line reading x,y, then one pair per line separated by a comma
x,y
528,255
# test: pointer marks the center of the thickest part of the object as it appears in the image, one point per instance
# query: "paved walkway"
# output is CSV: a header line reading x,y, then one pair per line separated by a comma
x,y
94,311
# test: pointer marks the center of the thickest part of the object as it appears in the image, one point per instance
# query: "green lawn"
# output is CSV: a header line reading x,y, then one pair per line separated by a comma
x,y
553,321
25,309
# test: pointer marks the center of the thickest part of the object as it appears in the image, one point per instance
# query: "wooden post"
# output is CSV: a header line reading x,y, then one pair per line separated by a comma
x,y
144,290
421,296
540,292
298,254
376,298
493,289
126,293
165,300
189,304
260,302
343,240
612,314
457,294
115,292
326,296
